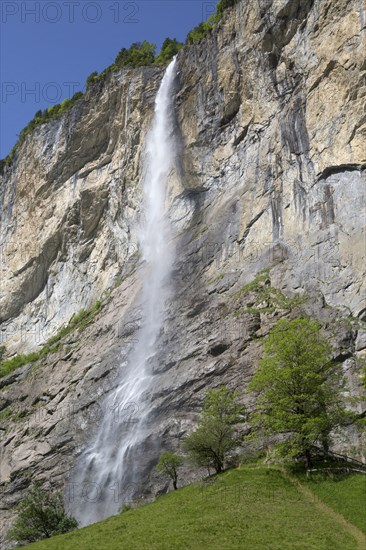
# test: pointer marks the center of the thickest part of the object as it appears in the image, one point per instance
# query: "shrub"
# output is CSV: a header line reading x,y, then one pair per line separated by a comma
x,y
222,6
169,49
92,78
215,435
199,32
41,515
138,55
168,465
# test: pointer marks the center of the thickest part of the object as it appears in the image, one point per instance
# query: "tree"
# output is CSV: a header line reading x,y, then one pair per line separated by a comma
x,y
168,465
168,50
138,55
222,6
92,78
199,32
41,515
299,389
215,435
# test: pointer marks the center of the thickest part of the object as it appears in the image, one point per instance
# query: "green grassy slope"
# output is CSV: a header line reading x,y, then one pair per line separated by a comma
x,y
252,508
347,496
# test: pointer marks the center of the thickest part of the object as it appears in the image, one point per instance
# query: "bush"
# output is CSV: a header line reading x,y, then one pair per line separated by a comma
x,y
203,29
199,32
222,6
215,435
168,465
92,78
138,55
169,49
41,515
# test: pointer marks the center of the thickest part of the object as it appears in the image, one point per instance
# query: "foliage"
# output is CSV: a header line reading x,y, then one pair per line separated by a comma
x,y
300,388
222,404
78,321
210,443
215,435
41,515
199,32
204,28
266,297
140,54
168,465
169,49
41,117
92,78
224,5
2,352
254,508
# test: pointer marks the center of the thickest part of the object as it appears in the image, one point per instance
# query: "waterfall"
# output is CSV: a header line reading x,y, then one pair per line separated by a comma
x,y
107,466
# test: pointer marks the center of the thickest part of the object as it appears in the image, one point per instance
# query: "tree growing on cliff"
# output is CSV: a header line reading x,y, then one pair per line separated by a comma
x,y
168,465
41,515
199,32
92,78
215,435
168,50
139,54
224,5
300,389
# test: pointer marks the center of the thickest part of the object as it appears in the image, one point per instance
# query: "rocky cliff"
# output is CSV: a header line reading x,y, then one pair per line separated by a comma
x,y
271,131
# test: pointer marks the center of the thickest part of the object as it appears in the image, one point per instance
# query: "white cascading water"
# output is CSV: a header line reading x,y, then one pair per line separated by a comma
x,y
108,464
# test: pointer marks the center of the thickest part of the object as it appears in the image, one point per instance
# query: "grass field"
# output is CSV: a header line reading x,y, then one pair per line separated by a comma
x,y
346,495
254,508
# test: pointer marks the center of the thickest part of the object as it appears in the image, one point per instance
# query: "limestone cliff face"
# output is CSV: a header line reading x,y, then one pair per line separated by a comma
x,y
271,129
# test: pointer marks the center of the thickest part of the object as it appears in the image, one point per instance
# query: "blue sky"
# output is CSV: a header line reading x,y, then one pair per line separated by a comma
x,y
48,48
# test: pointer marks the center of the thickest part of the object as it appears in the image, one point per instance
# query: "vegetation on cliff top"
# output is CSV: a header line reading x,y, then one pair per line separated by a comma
x,y
138,55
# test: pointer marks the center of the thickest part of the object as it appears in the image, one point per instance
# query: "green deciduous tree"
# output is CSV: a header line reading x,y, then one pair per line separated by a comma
x,y
300,388
215,435
168,465
139,54
41,515
168,50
